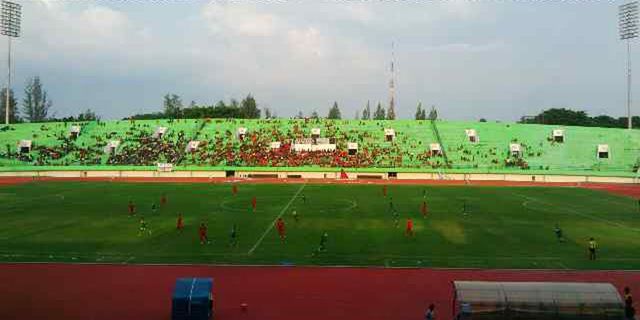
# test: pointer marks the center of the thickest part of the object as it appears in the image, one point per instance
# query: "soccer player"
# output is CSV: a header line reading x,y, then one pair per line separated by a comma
x,y
132,208
253,203
409,230
234,236
295,216
234,189
424,194
391,203
282,231
323,243
154,207
384,190
558,232
396,217
163,199
144,228
304,199
180,223
464,207
424,209
592,249
202,233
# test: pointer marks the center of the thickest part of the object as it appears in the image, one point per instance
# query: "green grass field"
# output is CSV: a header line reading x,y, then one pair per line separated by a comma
x,y
506,227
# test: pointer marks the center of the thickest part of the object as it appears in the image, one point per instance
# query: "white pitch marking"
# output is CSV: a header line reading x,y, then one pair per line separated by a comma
x,y
270,226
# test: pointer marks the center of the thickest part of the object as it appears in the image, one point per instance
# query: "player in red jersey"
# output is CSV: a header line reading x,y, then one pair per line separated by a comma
x,y
282,231
234,189
253,203
424,209
409,230
180,223
163,199
132,208
384,190
202,232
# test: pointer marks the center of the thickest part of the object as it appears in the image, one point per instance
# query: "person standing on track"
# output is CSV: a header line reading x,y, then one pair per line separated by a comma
x,y
592,249
180,223
431,313
629,310
282,231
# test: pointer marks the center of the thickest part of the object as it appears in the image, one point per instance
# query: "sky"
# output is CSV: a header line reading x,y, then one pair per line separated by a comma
x,y
469,59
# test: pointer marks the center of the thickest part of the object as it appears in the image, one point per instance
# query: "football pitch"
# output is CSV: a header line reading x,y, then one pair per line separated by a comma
x,y
466,226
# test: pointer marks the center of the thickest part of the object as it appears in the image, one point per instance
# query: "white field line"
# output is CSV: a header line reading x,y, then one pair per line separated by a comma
x,y
270,226
575,212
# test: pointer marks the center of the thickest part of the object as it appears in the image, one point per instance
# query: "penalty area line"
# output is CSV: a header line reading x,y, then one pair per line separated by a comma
x,y
270,226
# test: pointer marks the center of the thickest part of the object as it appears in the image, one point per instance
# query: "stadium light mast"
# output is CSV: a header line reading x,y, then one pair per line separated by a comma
x,y
10,27
628,23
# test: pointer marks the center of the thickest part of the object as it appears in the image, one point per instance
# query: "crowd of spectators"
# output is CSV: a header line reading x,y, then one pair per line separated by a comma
x,y
220,144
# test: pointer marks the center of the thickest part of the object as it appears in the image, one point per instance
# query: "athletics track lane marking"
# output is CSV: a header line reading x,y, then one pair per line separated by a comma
x,y
270,226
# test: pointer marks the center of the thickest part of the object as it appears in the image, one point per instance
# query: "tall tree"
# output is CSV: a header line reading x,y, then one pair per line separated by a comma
x,y
379,114
36,103
334,112
88,115
314,115
172,106
300,115
366,113
419,111
13,115
267,113
249,108
391,114
433,114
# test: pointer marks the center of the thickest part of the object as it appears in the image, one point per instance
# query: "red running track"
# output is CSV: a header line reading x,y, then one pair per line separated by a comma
x,y
73,291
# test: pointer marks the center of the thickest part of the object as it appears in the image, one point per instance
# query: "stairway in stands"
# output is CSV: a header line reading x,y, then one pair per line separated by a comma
x,y
434,127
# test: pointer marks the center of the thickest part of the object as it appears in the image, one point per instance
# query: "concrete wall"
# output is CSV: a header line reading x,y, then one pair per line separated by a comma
x,y
321,175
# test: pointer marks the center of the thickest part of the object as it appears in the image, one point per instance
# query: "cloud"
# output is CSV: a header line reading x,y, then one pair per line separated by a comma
x,y
466,47
239,20
307,42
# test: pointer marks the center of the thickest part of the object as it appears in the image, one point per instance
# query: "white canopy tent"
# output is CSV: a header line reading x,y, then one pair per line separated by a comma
x,y
482,300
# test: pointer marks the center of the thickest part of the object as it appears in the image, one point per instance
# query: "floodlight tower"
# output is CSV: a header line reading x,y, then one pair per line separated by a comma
x,y
10,27
392,82
628,23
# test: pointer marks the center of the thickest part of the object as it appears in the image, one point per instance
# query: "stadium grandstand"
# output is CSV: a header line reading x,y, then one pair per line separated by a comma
x,y
321,145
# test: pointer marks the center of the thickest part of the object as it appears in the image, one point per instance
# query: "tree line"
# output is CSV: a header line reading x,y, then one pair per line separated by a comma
x,y
568,117
36,105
